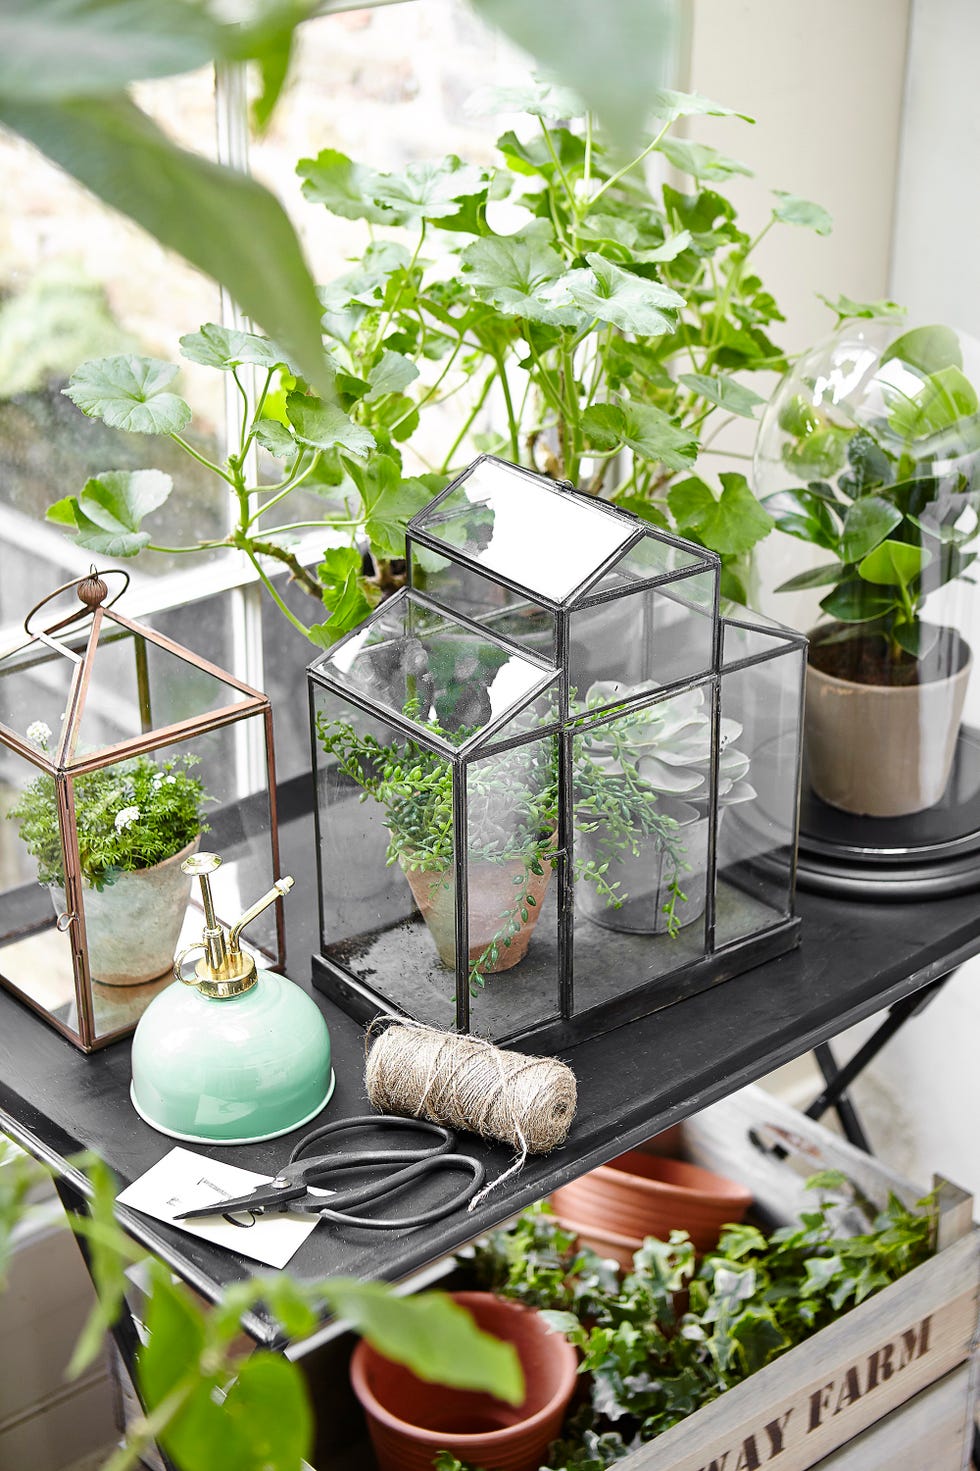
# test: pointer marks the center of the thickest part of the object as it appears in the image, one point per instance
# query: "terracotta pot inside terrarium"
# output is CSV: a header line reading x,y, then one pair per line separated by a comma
x,y
494,888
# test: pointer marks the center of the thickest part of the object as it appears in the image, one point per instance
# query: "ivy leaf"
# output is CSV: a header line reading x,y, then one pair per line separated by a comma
x,y
621,298
732,524
793,210
866,524
275,438
131,393
430,1334
107,514
512,272
725,392
701,161
427,191
894,563
325,425
643,428
344,187
224,348
390,374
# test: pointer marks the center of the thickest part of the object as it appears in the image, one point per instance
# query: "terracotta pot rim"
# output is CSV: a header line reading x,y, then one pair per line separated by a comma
x,y
713,1186
438,1438
835,681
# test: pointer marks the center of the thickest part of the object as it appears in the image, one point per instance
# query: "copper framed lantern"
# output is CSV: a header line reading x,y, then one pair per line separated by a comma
x,y
119,750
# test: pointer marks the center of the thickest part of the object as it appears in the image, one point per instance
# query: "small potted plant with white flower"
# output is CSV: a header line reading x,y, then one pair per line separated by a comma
x,y
137,821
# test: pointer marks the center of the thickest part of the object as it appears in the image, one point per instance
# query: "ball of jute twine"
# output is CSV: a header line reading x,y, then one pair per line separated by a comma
x,y
466,1083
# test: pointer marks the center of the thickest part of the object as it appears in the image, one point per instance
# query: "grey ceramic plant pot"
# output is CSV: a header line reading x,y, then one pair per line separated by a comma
x,y
645,878
880,750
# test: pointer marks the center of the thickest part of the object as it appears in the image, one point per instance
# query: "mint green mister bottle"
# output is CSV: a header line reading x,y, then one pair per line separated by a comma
x,y
230,1054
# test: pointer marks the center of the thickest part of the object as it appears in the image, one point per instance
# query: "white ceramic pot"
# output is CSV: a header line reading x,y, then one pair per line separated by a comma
x,y
882,750
644,879
132,926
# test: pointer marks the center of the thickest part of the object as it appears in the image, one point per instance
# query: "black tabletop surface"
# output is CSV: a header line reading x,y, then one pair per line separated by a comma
x,y
854,960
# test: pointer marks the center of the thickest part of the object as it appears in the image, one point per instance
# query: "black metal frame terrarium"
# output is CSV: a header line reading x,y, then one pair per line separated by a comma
x,y
556,788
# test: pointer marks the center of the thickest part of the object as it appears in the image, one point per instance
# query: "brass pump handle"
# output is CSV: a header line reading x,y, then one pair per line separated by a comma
x,y
279,890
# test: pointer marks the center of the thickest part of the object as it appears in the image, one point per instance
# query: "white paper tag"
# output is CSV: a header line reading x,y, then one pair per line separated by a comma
x,y
184,1181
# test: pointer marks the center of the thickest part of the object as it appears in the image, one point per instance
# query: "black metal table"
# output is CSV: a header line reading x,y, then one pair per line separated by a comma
x,y
855,959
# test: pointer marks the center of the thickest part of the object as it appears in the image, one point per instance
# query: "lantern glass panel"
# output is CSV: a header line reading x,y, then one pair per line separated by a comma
x,y
757,785
642,817
447,679
138,685
498,608
512,886
35,684
386,857
656,635
524,528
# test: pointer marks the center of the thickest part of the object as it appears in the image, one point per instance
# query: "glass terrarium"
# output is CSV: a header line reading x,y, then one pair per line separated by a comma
x,y
555,787
868,457
119,751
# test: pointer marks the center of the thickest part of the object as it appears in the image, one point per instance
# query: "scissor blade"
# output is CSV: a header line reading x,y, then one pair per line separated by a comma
x,y
263,1198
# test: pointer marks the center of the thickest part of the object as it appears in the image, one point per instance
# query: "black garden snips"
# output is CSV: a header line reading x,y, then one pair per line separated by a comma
x,y
308,1183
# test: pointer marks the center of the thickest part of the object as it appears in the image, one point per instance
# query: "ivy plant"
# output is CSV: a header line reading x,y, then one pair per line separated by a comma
x,y
610,329
653,1361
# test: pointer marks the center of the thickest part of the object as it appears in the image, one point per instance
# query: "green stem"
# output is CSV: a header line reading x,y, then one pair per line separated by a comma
x,y
557,163
245,414
285,490
263,578
389,315
200,546
260,405
202,459
481,400
515,443
620,173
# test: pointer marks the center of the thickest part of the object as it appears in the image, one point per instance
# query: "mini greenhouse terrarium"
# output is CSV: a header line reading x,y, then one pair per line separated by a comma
x,y
555,787
119,750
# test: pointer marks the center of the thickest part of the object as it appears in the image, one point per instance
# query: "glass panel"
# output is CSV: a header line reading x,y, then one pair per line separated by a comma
x,y
651,557
497,608
385,860
512,888
136,686
758,785
438,673
641,807
541,537
35,956
644,639
34,687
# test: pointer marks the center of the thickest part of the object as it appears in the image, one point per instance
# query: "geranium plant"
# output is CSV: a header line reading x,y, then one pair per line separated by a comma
x,y
612,324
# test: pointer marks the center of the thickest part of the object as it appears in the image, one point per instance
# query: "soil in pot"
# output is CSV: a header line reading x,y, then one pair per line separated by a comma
x,y
883,747
411,1420
494,891
133,924
642,1194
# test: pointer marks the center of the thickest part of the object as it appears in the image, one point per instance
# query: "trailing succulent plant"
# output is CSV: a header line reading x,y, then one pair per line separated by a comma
x,y
612,326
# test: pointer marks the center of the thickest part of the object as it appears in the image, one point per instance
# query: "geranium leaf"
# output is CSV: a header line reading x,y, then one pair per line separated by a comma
x,y
110,509
344,187
724,392
538,97
275,438
224,348
668,106
514,271
732,524
340,577
793,210
131,393
389,502
608,293
427,191
846,308
325,425
701,161
268,1407
643,428
390,374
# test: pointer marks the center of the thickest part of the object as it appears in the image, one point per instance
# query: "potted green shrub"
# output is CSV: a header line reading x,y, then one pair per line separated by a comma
x,y
878,432
642,801
606,329
136,822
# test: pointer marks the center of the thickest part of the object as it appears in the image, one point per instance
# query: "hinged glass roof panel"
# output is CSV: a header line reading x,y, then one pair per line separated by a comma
x,y
649,558
447,678
538,535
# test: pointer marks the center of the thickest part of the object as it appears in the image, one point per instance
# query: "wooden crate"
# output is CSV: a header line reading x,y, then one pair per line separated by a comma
x,y
890,1384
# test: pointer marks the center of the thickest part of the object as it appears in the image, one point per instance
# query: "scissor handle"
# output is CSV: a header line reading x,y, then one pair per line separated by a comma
x,y
445,1138
338,1209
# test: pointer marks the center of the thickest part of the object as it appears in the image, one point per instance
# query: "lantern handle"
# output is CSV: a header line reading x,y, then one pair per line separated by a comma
x,y
82,612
